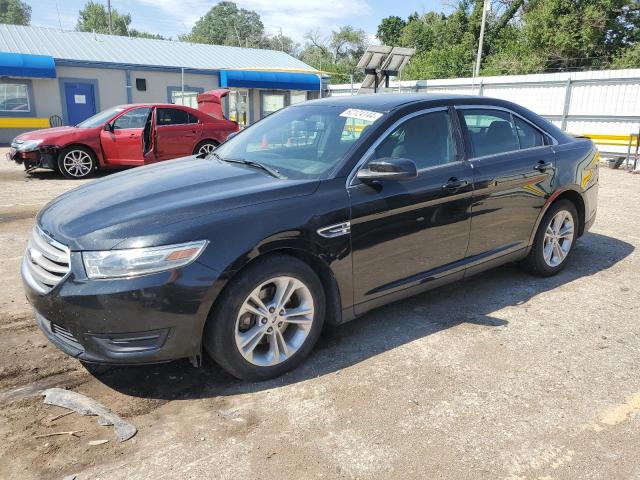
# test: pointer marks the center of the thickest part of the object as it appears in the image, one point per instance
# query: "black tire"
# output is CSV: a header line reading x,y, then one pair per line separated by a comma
x,y
84,155
535,262
219,336
205,144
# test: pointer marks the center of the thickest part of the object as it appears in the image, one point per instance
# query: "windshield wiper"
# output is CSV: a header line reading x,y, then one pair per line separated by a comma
x,y
271,171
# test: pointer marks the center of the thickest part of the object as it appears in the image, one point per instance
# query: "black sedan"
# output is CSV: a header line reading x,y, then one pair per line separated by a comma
x,y
314,215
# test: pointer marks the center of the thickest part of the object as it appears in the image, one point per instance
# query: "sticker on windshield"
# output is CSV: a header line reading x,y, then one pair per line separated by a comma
x,y
367,115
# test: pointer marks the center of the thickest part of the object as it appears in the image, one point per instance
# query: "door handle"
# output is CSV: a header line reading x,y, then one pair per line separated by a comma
x,y
453,185
541,166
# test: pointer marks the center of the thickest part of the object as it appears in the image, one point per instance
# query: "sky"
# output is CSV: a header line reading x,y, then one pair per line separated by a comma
x,y
295,17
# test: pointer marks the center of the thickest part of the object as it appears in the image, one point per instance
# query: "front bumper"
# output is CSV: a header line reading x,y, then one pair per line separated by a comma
x,y
147,319
41,158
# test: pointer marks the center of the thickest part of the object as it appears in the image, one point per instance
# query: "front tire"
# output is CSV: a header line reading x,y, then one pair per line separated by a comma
x,y
267,320
204,148
76,162
554,240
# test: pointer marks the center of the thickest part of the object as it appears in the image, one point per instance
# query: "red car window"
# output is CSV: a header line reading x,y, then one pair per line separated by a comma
x,y
172,116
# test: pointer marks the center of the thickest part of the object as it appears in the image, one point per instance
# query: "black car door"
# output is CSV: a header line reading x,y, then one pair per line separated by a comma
x,y
513,165
406,233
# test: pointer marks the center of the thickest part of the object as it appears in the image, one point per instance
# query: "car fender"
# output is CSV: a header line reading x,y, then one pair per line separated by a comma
x,y
552,198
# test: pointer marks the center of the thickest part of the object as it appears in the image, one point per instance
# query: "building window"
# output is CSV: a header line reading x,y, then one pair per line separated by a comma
x,y
186,98
14,97
238,102
272,102
298,97
141,84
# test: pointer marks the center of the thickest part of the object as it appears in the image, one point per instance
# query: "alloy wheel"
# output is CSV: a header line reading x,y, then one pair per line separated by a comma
x,y
206,148
274,321
558,238
77,163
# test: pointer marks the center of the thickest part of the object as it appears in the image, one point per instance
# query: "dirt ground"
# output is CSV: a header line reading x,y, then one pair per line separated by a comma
x,y
504,376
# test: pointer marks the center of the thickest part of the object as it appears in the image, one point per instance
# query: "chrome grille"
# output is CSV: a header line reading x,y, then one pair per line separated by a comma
x,y
46,262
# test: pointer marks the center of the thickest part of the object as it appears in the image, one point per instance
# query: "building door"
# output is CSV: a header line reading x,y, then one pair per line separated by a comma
x,y
81,102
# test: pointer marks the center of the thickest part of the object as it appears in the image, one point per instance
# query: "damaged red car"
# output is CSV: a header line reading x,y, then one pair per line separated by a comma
x,y
126,136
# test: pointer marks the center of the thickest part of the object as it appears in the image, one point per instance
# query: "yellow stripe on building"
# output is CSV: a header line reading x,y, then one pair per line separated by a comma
x,y
24,122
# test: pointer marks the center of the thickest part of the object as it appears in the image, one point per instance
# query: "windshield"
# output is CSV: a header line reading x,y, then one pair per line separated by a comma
x,y
100,118
302,142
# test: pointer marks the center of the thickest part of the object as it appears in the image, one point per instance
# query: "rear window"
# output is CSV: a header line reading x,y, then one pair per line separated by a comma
x,y
492,132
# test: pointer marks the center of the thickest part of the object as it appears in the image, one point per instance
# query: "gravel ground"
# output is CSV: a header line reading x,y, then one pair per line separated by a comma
x,y
504,376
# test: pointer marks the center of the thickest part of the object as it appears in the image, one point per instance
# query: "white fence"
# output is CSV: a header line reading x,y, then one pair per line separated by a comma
x,y
605,102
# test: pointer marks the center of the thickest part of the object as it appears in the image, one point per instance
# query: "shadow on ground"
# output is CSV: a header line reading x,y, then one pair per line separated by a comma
x,y
41,174
469,301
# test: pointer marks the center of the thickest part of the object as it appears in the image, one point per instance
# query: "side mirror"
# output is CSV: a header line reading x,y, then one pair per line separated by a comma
x,y
394,169
108,127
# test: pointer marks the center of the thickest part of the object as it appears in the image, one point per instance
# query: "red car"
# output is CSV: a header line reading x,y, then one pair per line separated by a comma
x,y
126,135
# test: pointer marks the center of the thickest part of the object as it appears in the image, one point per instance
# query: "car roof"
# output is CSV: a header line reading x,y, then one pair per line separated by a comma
x,y
384,102
169,105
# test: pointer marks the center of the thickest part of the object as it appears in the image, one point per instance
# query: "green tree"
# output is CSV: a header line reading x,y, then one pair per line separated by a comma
x,y
337,54
226,24
390,30
524,36
279,42
94,17
578,34
628,57
15,12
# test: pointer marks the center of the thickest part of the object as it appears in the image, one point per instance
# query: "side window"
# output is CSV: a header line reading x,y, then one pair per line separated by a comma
x,y
171,116
135,118
193,118
528,135
427,140
490,131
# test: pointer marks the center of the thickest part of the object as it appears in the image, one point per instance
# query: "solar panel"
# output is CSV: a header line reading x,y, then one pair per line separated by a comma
x,y
380,62
373,57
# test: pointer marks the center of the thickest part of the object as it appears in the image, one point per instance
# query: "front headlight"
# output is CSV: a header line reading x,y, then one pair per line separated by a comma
x,y
141,261
28,145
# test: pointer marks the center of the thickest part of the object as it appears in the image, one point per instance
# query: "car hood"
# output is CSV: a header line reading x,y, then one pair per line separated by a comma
x,y
51,135
138,203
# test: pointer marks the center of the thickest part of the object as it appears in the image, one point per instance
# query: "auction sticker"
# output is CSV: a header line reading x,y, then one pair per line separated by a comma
x,y
367,115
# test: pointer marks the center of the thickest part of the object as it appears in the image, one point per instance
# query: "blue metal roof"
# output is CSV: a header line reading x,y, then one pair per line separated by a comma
x,y
275,80
24,65
113,49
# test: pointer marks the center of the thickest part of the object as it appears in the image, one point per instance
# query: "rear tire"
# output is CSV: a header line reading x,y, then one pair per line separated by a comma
x,y
267,319
205,147
555,239
77,162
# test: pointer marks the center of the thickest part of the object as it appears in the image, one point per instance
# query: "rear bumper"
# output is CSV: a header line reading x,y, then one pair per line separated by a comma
x,y
590,197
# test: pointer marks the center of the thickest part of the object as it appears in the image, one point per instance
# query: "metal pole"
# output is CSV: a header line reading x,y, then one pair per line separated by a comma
x,y
351,81
109,9
182,85
485,7
567,104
